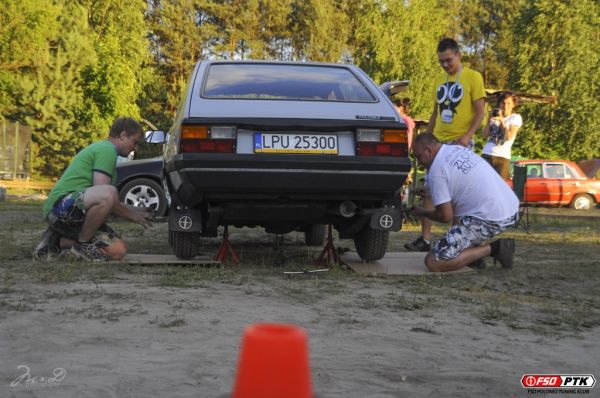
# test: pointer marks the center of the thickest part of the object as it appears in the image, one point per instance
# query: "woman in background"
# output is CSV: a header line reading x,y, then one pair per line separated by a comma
x,y
501,132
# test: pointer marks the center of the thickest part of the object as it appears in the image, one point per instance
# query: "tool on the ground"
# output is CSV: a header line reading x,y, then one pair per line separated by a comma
x,y
306,271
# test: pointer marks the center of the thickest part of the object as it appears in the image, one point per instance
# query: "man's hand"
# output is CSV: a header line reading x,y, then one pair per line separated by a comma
x,y
141,215
420,211
440,213
422,191
464,141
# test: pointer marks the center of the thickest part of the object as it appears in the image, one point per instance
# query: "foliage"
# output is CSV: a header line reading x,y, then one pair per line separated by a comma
x,y
487,37
180,33
396,40
79,71
112,83
558,53
67,68
49,96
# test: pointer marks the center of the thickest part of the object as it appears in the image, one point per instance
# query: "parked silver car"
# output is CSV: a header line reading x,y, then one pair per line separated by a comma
x,y
285,146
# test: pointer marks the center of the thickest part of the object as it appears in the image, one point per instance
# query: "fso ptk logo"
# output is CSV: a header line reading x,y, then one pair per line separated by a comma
x,y
558,381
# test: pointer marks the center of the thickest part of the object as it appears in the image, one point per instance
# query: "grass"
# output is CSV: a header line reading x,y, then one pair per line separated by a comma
x,y
553,288
172,321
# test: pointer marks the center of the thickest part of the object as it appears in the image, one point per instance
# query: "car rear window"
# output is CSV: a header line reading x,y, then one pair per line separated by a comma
x,y
284,82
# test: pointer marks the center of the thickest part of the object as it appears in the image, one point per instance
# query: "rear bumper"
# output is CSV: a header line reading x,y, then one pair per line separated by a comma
x,y
238,176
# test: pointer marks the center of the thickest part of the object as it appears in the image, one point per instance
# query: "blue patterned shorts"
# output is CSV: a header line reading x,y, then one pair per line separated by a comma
x,y
468,232
70,209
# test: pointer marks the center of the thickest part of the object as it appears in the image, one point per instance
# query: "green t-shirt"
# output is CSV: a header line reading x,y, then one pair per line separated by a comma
x,y
456,101
100,156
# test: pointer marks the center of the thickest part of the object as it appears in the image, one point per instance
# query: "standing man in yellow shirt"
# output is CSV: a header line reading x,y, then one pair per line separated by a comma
x,y
458,110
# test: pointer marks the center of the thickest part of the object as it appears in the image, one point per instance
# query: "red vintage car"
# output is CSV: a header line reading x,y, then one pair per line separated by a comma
x,y
559,183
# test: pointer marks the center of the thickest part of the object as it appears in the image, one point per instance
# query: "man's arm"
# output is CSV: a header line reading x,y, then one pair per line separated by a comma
x,y
486,129
475,123
441,213
431,124
140,216
101,178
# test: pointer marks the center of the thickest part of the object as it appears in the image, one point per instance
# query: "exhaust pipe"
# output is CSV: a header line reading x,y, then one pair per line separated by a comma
x,y
347,209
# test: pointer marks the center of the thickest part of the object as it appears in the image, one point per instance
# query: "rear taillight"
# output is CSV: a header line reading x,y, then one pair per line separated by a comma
x,y
198,138
381,149
381,142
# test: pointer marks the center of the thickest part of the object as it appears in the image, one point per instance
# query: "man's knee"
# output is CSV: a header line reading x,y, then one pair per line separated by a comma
x,y
110,194
431,263
101,194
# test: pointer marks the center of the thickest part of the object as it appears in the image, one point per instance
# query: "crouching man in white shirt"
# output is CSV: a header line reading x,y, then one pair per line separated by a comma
x,y
467,192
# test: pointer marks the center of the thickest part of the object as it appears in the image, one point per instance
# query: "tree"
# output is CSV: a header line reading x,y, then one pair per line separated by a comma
x,y
319,30
397,40
26,29
487,36
273,34
112,83
181,33
558,53
49,97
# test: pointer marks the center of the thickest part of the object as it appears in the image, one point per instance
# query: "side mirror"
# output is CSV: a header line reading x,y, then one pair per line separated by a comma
x,y
156,137
392,88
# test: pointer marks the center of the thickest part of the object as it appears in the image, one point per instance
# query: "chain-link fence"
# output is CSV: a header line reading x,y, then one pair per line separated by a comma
x,y
15,151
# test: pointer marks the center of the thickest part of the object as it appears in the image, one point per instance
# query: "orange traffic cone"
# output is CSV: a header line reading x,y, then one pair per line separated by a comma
x,y
273,363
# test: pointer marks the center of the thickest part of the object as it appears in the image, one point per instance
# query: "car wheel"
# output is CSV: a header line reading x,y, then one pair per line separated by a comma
x,y
371,244
314,235
185,244
144,192
582,201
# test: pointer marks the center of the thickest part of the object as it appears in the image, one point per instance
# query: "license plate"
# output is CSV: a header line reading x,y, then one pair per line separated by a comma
x,y
295,143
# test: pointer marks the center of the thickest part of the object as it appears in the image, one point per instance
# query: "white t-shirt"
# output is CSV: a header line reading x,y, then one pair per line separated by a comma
x,y
473,187
503,150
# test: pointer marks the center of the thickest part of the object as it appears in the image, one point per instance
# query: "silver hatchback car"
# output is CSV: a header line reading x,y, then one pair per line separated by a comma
x,y
285,146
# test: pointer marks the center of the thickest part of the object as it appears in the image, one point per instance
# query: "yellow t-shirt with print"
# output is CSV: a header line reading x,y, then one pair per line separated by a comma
x,y
455,102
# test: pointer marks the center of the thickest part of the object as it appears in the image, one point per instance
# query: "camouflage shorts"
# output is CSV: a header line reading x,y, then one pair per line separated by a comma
x,y
69,210
469,232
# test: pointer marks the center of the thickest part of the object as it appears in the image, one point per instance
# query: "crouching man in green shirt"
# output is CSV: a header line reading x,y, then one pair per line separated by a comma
x,y
85,196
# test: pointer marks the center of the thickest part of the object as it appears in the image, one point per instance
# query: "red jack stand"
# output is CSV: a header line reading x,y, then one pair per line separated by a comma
x,y
329,254
225,249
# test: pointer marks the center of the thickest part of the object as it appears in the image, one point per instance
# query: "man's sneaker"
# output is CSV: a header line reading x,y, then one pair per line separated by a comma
x,y
49,247
506,252
479,264
418,245
90,251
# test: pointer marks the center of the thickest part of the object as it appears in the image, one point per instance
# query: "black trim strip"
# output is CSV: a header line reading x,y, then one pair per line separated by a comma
x,y
295,123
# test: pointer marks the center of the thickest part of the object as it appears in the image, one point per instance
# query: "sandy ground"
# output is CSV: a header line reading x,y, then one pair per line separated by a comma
x,y
129,333
109,340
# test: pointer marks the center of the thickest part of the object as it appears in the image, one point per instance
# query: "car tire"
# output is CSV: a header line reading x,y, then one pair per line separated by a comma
x,y
144,192
371,244
185,244
582,201
314,235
